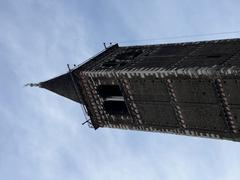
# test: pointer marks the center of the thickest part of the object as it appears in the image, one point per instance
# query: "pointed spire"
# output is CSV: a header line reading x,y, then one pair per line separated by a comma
x,y
62,85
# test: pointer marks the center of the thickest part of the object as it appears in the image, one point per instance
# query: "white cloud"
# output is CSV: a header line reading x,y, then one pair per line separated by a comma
x,y
41,136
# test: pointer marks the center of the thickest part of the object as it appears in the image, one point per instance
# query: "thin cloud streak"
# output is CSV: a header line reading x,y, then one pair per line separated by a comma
x,y
41,133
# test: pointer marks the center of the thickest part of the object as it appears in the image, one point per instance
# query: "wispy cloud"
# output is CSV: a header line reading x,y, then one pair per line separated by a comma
x,y
41,136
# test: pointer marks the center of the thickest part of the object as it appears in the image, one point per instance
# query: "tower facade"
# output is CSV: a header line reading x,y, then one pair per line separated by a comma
x,y
183,88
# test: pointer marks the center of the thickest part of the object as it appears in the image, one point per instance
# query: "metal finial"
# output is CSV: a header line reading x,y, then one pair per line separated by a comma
x,y
32,85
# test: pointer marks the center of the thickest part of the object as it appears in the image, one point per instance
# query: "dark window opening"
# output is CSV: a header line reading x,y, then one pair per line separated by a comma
x,y
122,59
109,90
214,56
113,63
113,99
115,107
130,54
122,64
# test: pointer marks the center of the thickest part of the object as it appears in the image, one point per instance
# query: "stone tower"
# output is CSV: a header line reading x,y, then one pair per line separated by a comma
x,y
182,88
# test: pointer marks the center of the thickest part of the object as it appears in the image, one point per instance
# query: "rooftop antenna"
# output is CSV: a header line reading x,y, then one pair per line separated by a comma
x,y
107,46
104,44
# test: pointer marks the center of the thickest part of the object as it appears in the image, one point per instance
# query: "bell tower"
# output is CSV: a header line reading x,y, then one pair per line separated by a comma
x,y
182,88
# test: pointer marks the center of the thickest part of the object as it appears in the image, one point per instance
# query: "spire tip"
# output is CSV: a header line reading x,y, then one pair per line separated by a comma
x,y
32,85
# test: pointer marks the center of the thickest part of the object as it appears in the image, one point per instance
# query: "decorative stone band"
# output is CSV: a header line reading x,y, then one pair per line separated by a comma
x,y
130,101
225,106
170,131
194,72
93,99
174,104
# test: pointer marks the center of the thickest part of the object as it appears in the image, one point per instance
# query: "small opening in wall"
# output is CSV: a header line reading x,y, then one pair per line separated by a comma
x,y
214,56
113,99
129,54
109,90
115,107
111,63
114,63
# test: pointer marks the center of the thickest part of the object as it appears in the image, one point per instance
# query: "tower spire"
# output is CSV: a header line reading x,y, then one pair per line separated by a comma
x,y
61,85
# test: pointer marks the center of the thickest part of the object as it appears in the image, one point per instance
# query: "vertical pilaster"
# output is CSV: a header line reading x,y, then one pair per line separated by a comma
x,y
174,104
225,106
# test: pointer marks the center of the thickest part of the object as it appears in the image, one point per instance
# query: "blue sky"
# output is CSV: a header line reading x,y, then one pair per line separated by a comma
x,y
41,136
